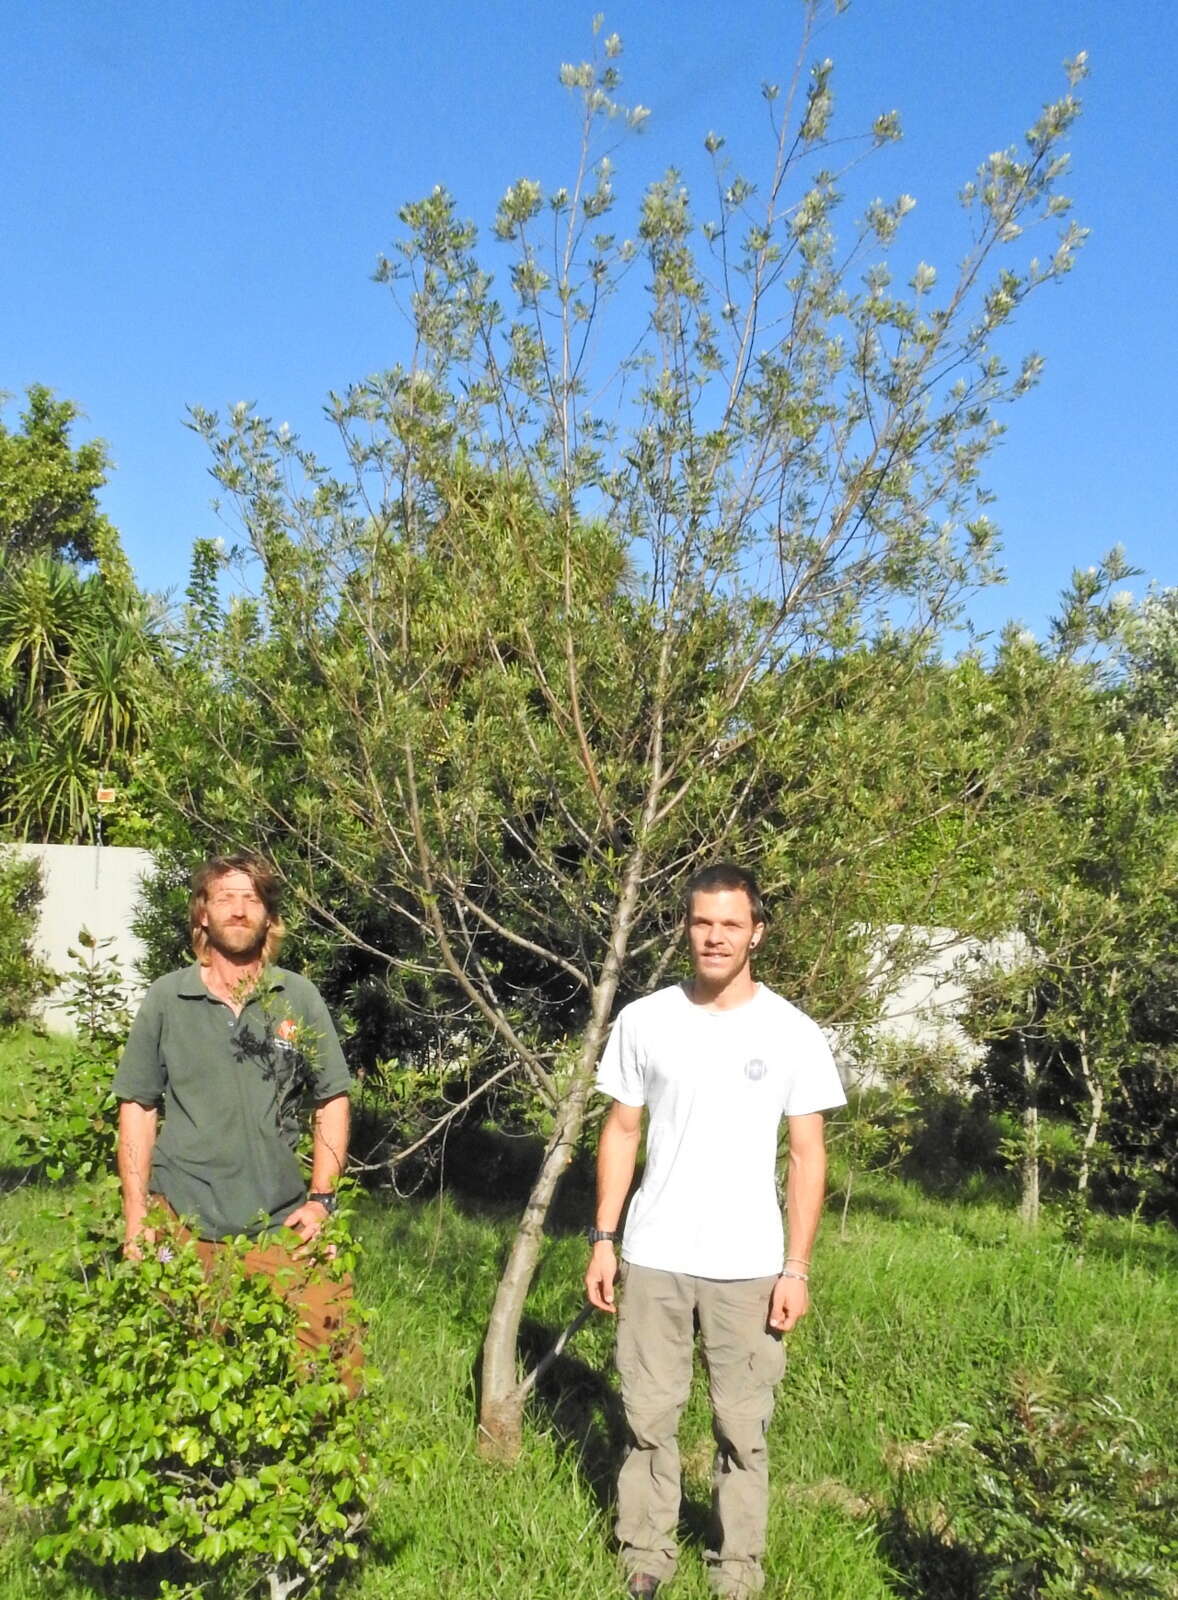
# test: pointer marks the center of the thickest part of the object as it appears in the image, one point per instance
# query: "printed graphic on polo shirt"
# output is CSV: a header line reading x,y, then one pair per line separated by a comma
x,y
755,1069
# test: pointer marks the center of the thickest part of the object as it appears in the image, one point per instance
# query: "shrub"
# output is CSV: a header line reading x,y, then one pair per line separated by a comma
x,y
65,1118
1068,1501
871,1133
23,978
165,1420
1060,1499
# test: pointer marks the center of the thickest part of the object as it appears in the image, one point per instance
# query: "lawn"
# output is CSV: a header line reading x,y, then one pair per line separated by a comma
x,y
922,1316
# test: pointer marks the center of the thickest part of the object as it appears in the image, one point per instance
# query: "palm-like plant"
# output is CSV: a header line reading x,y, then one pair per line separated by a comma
x,y
73,707
42,613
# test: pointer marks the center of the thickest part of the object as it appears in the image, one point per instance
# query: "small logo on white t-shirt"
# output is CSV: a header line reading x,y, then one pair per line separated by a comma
x,y
755,1069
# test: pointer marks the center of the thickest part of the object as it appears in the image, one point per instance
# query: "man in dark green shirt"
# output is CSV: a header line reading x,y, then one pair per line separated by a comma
x,y
218,1062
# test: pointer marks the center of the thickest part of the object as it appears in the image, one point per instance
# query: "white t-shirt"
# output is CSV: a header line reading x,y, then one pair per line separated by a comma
x,y
715,1085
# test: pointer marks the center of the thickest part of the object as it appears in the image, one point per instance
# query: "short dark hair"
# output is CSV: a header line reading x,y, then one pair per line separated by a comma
x,y
724,875
266,883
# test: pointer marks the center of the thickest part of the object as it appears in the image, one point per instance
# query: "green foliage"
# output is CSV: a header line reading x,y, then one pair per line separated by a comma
x,y
73,642
1150,655
164,1419
1068,1502
547,630
48,488
64,1117
73,650
918,1320
1076,1015
1057,1144
23,978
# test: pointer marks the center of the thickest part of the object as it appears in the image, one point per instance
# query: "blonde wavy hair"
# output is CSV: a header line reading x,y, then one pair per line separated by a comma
x,y
265,881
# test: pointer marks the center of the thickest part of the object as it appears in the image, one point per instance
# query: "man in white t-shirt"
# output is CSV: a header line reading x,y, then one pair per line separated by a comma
x,y
716,1063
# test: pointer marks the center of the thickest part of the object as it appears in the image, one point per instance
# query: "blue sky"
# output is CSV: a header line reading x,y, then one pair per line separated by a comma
x,y
195,195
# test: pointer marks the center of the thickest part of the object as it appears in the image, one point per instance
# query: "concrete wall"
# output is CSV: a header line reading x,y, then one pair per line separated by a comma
x,y
93,887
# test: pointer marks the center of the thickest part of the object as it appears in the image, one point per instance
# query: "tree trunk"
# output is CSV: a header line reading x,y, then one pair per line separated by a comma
x,y
502,1400
846,1204
502,1397
1095,1088
1029,1200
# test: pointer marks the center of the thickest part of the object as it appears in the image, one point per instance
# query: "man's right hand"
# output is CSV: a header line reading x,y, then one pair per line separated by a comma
x,y
135,1241
599,1280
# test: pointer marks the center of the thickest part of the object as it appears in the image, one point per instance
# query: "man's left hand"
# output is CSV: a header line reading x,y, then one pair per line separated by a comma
x,y
789,1303
307,1222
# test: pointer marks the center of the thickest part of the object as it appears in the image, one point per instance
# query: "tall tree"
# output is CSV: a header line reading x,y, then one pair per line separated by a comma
x,y
74,631
536,652
1097,877
49,487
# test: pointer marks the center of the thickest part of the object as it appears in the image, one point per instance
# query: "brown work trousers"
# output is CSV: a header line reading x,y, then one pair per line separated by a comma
x,y
745,1360
324,1304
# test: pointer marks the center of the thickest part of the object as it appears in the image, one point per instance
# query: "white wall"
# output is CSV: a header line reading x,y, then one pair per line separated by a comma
x,y
87,886
922,975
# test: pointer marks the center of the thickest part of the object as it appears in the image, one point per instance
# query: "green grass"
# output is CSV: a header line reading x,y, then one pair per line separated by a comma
x,y
920,1317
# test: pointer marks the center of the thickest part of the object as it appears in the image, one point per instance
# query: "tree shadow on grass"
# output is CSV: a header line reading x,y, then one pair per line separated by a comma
x,y
143,1579
583,1411
891,1207
580,1407
12,1178
925,1563
1153,1247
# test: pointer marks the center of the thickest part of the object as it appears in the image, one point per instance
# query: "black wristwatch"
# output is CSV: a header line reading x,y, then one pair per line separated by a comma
x,y
601,1235
328,1201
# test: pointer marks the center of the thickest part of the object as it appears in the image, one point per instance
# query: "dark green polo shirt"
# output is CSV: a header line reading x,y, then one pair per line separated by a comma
x,y
230,1089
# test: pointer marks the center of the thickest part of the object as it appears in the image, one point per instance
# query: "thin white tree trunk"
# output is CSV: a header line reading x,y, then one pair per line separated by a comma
x,y
846,1203
1029,1200
1095,1088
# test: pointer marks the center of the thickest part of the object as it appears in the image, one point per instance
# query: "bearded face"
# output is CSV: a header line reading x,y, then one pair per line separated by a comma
x,y
234,918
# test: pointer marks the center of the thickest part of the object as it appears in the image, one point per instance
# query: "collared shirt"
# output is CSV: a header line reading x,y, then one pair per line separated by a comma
x,y
230,1089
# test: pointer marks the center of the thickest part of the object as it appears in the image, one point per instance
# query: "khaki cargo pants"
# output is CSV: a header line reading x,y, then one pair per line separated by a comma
x,y
745,1361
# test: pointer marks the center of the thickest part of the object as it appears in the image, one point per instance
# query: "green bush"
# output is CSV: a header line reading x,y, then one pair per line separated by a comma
x,y
1056,1496
1067,1502
23,978
165,1420
64,1113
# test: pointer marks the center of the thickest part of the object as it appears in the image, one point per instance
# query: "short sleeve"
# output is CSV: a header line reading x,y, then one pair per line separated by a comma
x,y
814,1084
140,1074
620,1073
330,1074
